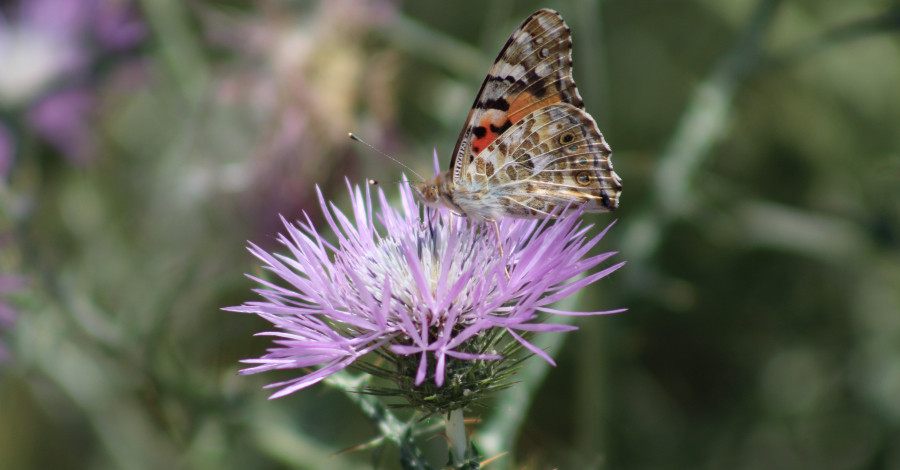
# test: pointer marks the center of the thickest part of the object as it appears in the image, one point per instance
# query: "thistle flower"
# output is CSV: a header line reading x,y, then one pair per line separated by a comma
x,y
426,292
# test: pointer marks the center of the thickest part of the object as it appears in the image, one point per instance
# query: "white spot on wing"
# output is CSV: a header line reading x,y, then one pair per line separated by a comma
x,y
505,69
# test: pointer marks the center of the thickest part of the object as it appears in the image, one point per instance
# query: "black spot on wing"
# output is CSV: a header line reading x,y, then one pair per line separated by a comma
x,y
498,103
479,132
499,130
604,199
538,84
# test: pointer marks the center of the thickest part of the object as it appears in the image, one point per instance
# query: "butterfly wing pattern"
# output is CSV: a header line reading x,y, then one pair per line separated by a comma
x,y
528,147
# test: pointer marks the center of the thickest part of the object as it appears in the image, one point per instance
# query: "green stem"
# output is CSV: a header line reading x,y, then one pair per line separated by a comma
x,y
179,46
388,425
887,21
701,127
499,429
456,433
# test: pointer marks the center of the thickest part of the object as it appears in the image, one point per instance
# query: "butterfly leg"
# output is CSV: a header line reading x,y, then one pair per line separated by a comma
x,y
500,244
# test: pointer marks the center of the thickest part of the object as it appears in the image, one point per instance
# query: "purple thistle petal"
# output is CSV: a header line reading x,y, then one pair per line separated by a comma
x,y
309,379
469,332
575,286
439,369
581,314
531,347
437,163
422,370
544,327
415,269
383,310
406,350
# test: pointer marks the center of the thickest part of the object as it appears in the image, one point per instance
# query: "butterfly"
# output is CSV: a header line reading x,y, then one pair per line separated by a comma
x,y
528,148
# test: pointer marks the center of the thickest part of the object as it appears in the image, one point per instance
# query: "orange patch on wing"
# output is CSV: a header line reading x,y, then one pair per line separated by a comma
x,y
493,118
523,105
526,103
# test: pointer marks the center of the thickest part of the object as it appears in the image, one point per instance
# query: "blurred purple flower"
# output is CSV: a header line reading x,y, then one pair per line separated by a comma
x,y
112,24
63,119
426,288
116,26
47,47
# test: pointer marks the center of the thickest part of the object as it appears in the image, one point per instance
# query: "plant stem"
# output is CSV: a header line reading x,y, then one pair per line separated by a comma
x,y
456,433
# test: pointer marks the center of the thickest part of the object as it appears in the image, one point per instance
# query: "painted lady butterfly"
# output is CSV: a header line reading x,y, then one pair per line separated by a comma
x,y
528,147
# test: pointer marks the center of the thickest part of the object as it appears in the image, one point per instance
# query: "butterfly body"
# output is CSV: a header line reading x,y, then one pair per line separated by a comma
x,y
528,147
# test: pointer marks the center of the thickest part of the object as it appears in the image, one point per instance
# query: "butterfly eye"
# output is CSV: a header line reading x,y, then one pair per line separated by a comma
x,y
583,178
566,138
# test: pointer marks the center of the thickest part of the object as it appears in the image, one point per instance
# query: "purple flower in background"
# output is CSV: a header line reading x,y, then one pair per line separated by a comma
x,y
63,119
47,50
116,26
430,294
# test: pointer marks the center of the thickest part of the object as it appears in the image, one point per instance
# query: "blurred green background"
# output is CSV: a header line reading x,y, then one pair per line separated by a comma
x,y
142,144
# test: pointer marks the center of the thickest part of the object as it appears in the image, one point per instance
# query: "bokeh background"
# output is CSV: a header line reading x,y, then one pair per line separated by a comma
x,y
142,144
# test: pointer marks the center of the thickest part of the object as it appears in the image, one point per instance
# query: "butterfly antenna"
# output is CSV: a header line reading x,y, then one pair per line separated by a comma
x,y
354,137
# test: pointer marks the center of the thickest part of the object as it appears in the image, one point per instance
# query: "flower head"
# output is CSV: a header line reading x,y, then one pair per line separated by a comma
x,y
428,292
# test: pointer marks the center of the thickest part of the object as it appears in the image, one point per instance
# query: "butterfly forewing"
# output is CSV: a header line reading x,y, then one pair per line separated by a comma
x,y
533,70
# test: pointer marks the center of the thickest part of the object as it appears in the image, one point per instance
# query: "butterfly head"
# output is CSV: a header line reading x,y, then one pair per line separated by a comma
x,y
428,192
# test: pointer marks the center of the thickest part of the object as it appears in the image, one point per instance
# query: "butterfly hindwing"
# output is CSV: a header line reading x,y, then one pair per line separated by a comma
x,y
551,158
